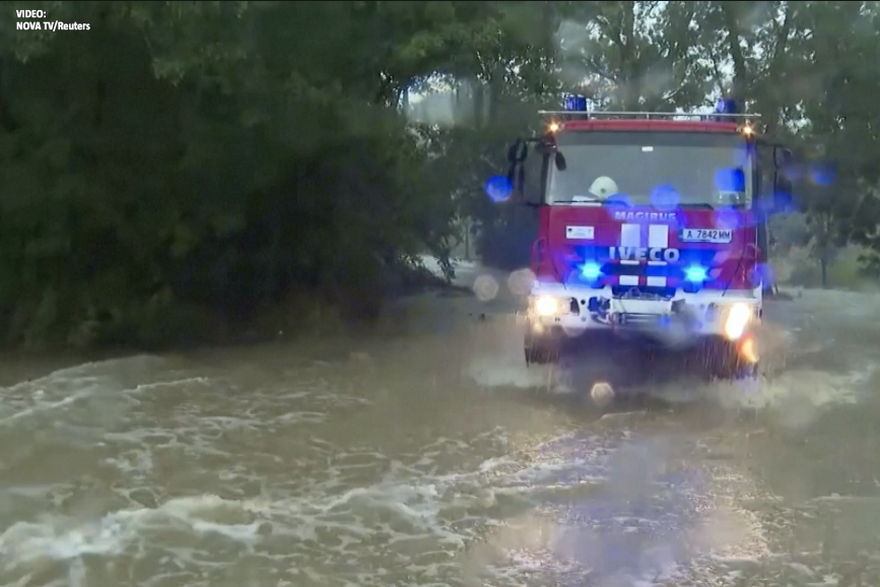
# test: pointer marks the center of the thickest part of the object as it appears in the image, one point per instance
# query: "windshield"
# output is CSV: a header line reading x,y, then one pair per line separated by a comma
x,y
663,169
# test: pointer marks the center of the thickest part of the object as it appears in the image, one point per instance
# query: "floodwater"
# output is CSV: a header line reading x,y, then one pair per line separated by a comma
x,y
431,456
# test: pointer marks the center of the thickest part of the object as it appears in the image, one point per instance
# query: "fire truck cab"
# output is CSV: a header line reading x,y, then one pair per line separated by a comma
x,y
650,227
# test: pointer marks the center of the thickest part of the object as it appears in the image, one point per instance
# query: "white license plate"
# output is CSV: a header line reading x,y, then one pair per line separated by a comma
x,y
705,235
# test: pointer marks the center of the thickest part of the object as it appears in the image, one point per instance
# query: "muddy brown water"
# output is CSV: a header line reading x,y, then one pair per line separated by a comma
x,y
431,456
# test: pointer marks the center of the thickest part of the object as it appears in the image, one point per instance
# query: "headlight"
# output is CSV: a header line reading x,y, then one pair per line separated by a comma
x,y
546,306
736,321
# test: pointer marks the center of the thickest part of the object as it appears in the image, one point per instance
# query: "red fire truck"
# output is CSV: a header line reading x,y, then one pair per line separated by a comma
x,y
651,228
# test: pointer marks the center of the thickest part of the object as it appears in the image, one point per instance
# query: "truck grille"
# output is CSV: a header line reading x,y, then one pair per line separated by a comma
x,y
642,292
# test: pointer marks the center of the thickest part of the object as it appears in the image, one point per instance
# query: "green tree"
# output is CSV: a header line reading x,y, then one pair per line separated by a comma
x,y
187,163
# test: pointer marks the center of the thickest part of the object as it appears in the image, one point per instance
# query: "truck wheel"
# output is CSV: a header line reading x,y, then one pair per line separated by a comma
x,y
541,355
747,358
723,360
747,371
719,359
538,350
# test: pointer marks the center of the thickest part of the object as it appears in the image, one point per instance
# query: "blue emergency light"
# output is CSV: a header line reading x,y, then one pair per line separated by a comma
x,y
575,103
696,274
591,271
726,106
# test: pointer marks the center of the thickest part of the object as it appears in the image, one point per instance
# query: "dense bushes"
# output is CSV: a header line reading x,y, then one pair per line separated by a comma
x,y
187,166
184,166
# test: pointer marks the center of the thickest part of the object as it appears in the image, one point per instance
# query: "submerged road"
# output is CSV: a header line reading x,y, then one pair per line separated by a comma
x,y
430,456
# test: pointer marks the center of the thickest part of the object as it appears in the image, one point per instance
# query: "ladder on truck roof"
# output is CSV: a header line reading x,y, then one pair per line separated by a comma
x,y
600,114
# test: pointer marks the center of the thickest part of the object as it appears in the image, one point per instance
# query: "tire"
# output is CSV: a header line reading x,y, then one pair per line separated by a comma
x,y
538,350
723,361
747,371
541,355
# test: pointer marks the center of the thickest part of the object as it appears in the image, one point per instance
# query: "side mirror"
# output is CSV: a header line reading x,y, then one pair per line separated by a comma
x,y
516,178
517,152
559,161
781,197
783,161
516,155
781,184
782,157
752,253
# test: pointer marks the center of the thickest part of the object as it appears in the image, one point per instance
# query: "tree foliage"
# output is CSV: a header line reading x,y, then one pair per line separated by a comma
x,y
186,159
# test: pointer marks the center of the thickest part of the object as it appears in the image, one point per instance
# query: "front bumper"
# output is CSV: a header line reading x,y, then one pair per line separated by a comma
x,y
568,312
